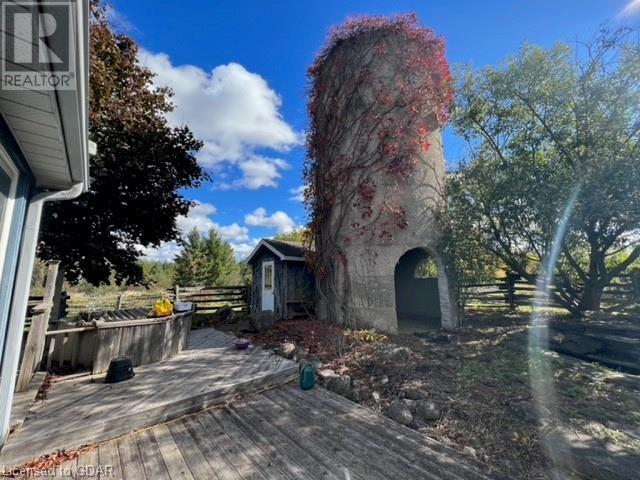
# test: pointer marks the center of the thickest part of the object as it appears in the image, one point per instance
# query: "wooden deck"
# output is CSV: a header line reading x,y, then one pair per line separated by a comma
x,y
208,373
214,413
284,434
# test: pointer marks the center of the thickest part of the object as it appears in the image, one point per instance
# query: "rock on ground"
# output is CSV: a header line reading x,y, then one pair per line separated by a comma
x,y
340,384
325,373
427,410
358,394
399,412
286,350
470,451
398,354
414,393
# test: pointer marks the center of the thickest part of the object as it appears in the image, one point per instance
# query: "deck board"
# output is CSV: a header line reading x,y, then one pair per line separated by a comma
x,y
269,435
183,419
208,372
22,401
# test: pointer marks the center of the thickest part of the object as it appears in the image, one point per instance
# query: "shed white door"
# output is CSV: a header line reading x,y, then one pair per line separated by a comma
x,y
267,285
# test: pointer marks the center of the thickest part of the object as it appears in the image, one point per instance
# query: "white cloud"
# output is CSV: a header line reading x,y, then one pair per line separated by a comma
x,y
297,194
257,172
279,220
118,21
233,233
199,217
243,249
233,111
166,252
632,8
261,172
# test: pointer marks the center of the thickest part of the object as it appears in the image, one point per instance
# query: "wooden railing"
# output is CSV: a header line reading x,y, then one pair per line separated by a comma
x,y
39,322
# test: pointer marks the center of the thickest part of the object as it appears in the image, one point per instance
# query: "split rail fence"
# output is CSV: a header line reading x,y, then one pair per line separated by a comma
x,y
511,292
208,300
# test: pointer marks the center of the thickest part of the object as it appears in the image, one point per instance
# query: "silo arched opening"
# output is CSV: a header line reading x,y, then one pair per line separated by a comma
x,y
417,292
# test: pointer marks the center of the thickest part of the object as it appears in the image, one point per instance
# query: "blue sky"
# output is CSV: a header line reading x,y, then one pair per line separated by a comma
x,y
238,69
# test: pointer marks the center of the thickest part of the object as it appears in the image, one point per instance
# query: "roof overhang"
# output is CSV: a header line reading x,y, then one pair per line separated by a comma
x,y
51,126
275,251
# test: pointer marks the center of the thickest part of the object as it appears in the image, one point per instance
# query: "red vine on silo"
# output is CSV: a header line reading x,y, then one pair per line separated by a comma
x,y
363,128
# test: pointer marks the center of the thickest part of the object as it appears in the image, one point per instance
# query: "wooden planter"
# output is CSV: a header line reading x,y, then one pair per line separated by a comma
x,y
145,340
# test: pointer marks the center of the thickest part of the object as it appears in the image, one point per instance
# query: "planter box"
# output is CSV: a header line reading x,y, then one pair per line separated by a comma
x,y
144,340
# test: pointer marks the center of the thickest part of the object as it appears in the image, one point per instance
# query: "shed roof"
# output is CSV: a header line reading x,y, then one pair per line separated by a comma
x,y
288,251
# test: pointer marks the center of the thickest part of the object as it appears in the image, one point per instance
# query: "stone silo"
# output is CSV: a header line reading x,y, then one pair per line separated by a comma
x,y
380,91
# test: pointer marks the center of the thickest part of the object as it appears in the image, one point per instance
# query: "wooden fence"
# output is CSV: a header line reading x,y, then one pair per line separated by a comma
x,y
511,292
208,300
77,303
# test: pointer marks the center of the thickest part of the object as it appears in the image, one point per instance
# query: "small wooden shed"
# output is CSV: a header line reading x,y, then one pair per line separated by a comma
x,y
282,281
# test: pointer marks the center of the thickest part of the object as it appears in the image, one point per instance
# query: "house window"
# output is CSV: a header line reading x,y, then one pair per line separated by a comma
x,y
8,181
268,276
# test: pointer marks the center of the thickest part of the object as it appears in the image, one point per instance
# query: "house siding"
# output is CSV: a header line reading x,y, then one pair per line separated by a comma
x,y
25,189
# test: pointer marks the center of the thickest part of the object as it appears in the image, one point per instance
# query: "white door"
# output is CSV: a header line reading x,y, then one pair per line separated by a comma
x,y
267,286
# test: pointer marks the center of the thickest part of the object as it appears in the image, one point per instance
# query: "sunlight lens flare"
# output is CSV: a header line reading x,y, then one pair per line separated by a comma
x,y
540,369
632,8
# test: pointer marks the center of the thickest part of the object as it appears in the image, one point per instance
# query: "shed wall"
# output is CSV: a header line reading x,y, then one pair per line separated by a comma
x,y
278,283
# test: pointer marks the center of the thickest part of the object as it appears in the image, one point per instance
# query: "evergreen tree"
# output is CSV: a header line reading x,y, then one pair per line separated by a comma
x,y
158,274
192,266
220,260
205,262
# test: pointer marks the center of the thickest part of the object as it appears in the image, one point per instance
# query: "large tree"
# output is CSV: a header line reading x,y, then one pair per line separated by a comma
x,y
301,235
192,266
554,137
205,261
137,176
222,263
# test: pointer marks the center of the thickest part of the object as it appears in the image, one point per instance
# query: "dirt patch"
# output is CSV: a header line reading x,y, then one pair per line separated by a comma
x,y
480,378
324,341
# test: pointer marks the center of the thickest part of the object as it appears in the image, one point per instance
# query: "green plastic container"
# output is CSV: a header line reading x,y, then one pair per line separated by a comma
x,y
307,377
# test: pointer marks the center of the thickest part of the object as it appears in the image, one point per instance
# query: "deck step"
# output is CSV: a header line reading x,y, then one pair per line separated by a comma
x,y
209,374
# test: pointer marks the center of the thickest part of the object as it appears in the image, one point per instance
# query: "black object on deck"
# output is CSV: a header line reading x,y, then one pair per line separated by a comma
x,y
120,369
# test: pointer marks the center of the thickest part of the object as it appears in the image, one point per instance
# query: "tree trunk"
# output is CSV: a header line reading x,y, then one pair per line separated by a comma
x,y
591,297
